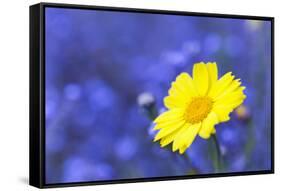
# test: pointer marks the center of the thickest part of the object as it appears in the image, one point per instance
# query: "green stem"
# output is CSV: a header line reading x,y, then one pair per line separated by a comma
x,y
150,112
250,143
218,159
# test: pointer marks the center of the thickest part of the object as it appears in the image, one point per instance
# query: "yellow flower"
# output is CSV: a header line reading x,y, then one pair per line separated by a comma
x,y
195,105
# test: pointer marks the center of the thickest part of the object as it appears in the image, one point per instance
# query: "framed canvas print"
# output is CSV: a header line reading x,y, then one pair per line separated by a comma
x,y
122,95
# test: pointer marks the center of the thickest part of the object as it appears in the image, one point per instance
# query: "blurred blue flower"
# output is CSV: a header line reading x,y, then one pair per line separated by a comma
x,y
174,58
59,25
212,43
52,100
151,132
56,139
101,96
231,135
76,169
72,92
238,164
234,46
126,148
191,47
83,117
104,172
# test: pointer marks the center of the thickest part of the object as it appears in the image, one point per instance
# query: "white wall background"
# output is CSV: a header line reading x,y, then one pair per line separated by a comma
x,y
14,88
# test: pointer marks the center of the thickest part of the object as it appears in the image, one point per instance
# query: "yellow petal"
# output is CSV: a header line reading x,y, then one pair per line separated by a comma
x,y
183,86
172,102
208,125
177,91
178,135
235,103
187,140
166,131
213,73
180,85
187,82
227,102
222,113
167,123
170,115
201,78
169,103
231,88
169,138
221,85
181,92
231,99
186,136
182,149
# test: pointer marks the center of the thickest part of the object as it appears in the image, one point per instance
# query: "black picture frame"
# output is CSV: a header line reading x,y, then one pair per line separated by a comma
x,y
37,94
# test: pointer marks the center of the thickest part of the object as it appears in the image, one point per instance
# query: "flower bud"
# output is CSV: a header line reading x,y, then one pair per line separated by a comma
x,y
146,100
243,113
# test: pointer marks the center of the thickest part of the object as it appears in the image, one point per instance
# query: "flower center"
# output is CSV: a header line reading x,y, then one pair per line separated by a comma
x,y
198,109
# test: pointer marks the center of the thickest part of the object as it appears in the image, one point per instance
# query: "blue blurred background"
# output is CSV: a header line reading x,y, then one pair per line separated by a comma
x,y
98,63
